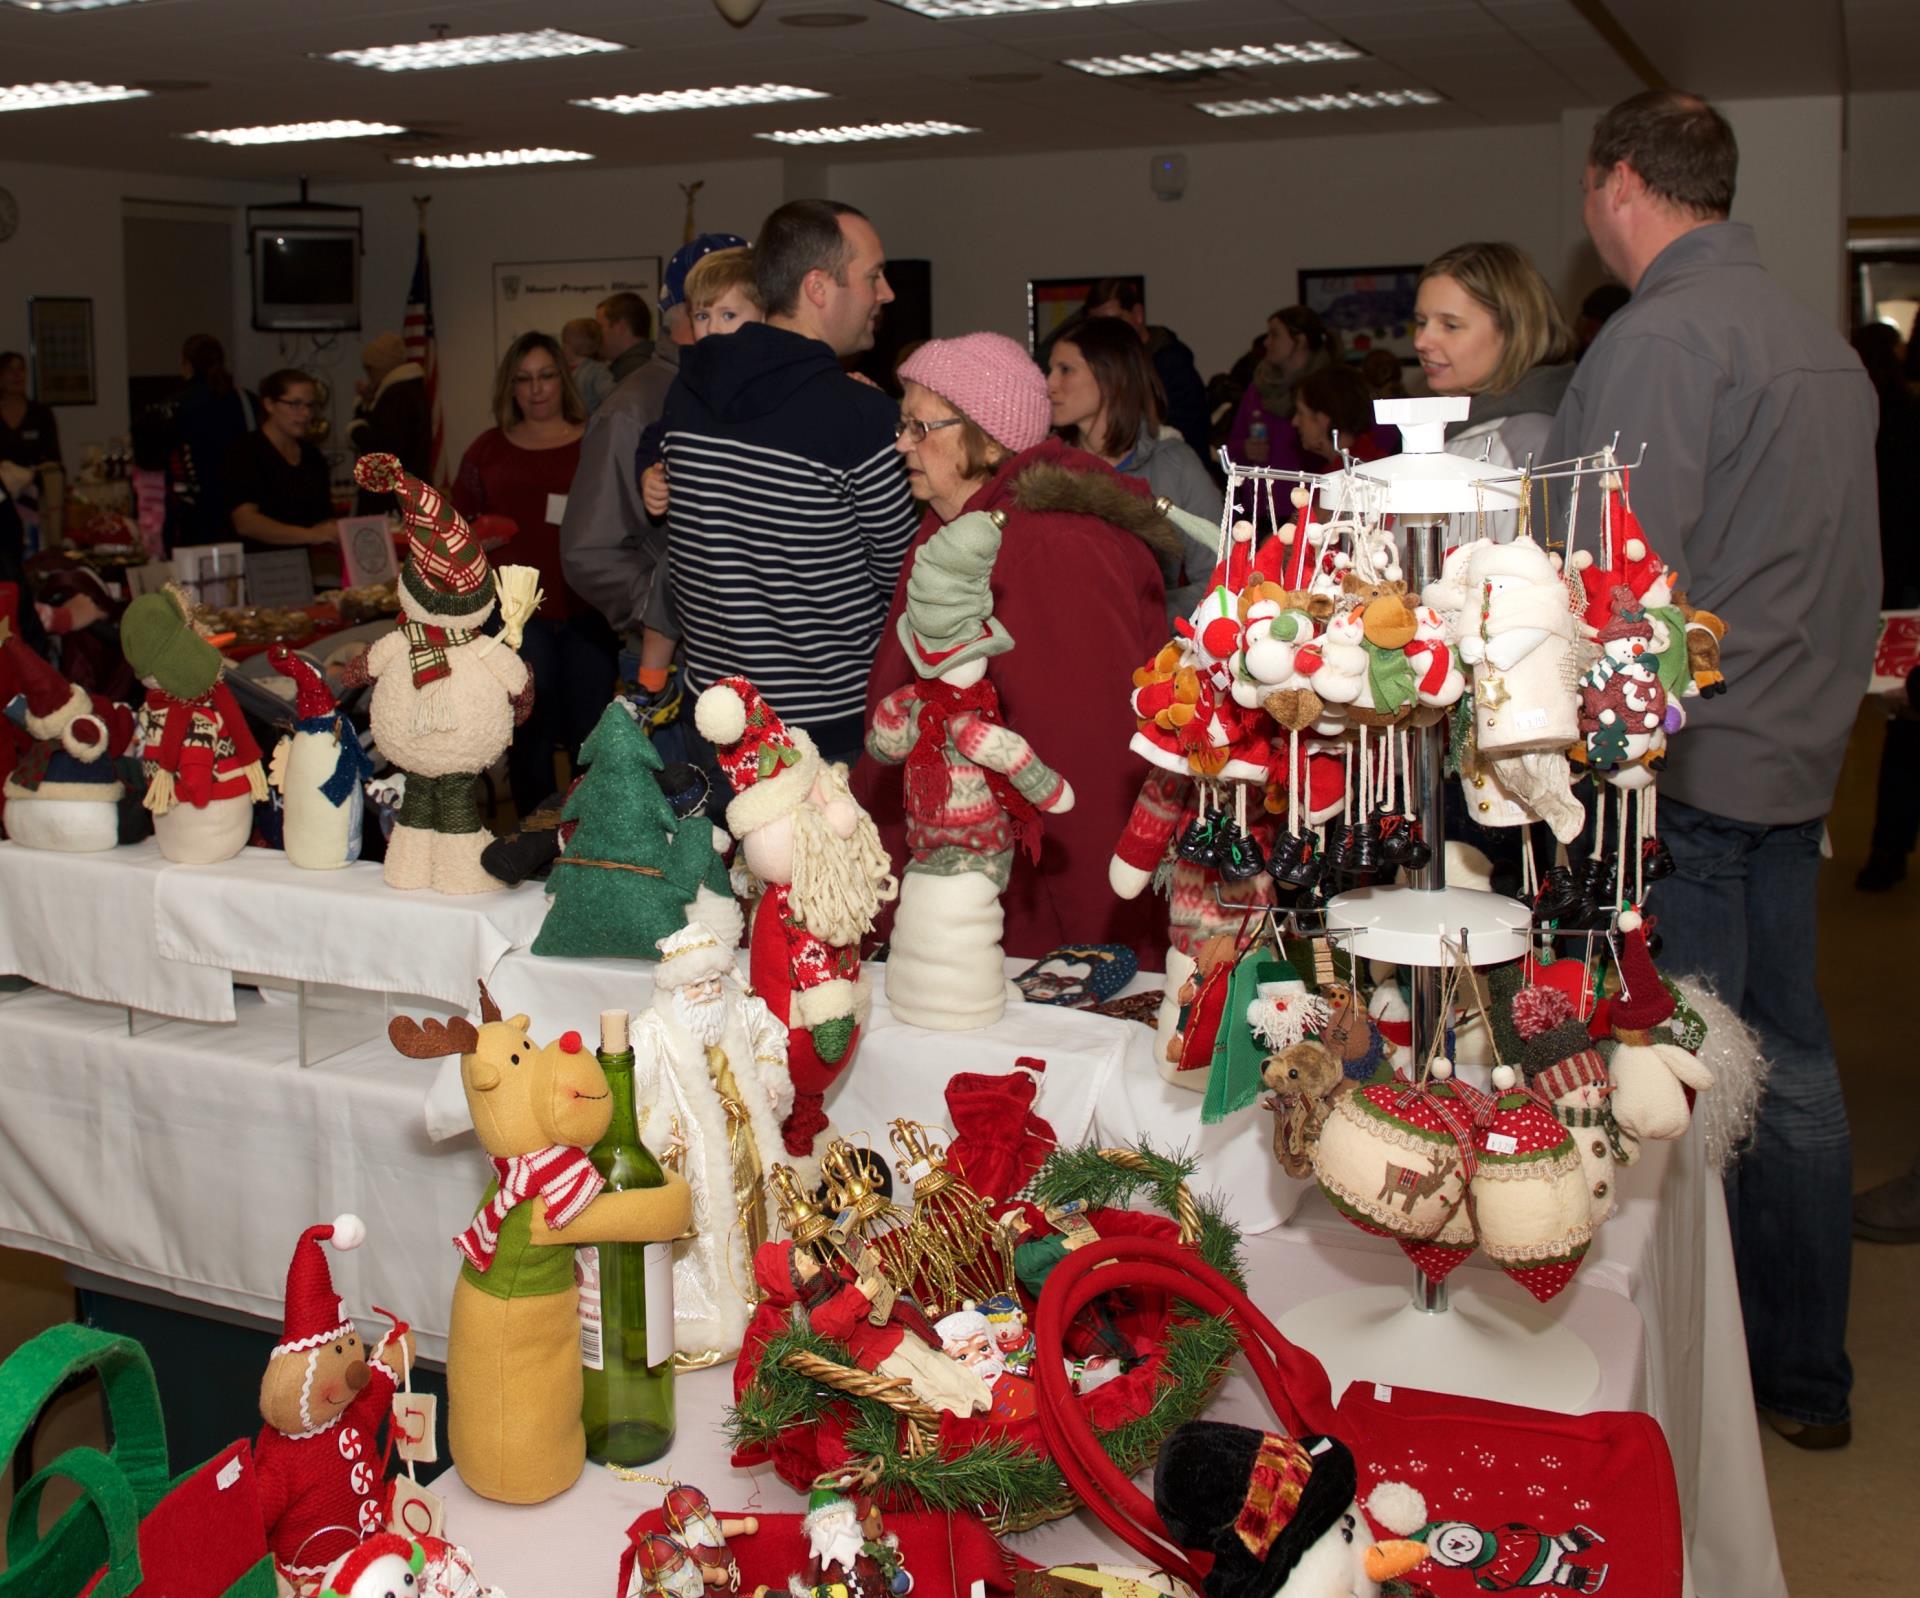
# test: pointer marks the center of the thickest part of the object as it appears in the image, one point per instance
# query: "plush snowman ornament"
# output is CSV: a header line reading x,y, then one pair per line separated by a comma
x,y
1623,704
320,770
64,792
386,1565
1281,1515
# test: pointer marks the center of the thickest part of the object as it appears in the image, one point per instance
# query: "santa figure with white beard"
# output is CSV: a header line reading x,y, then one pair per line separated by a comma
x,y
710,1072
850,1554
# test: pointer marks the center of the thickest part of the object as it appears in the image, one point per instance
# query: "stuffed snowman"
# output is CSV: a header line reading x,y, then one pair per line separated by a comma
x,y
319,769
202,766
1512,615
975,789
64,791
446,696
825,873
1623,705
386,1565
1280,1515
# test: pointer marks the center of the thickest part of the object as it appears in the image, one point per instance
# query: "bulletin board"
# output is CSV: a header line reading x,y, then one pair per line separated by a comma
x,y
60,339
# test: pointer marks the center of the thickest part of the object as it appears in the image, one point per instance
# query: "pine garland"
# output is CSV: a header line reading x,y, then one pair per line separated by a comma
x,y
1021,1487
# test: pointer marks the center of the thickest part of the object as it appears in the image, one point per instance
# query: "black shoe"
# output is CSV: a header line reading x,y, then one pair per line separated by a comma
x,y
1889,1213
1243,859
1656,861
1419,853
521,855
1884,870
1294,864
1396,838
1363,858
1559,897
1200,843
1814,1439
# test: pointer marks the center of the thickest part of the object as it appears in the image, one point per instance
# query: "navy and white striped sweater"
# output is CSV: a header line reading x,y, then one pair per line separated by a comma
x,y
789,522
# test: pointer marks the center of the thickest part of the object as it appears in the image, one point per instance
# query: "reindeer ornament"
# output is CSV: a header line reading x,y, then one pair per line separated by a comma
x,y
513,1348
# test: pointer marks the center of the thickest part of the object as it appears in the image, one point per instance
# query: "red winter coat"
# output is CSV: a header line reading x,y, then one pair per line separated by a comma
x,y
1083,600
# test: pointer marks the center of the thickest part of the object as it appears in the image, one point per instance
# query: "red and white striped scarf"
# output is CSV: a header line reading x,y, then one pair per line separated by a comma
x,y
560,1174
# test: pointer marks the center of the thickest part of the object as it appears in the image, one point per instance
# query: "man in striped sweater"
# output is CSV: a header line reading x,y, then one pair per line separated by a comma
x,y
790,513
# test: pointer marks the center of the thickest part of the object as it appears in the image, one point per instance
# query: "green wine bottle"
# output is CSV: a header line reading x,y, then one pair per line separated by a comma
x,y
626,1292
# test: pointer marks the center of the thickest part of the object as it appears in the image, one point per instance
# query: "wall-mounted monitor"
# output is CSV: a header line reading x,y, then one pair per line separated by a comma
x,y
306,279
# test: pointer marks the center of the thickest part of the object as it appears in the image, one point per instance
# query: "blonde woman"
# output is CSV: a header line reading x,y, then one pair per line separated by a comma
x,y
1486,325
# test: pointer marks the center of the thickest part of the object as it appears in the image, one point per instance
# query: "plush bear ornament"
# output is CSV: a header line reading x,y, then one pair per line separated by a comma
x,y
202,766
324,1399
1281,1515
320,770
825,873
513,1346
446,697
64,792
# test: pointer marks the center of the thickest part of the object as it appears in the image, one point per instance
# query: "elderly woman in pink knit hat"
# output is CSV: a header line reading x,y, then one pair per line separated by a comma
x,y
1077,582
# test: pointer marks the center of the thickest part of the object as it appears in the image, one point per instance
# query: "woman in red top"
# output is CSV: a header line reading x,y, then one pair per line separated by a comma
x,y
522,470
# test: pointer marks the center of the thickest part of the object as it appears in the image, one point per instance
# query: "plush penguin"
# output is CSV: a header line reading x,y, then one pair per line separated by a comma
x,y
320,770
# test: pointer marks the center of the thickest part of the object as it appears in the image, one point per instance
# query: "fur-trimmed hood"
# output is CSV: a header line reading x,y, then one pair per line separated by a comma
x,y
1056,477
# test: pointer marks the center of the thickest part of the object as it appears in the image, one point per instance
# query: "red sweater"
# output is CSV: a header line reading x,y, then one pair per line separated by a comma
x,y
1084,603
498,477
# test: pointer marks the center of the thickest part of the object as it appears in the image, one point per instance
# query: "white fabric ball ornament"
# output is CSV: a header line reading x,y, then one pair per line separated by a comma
x,y
721,715
1582,559
1300,496
1629,920
1243,532
1288,531
1635,549
1503,1077
1443,1068
349,1231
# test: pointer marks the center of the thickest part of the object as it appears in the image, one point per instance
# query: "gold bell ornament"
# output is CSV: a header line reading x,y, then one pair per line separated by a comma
x,y
974,1255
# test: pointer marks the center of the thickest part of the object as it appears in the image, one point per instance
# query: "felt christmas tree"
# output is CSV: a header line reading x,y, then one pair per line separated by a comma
x,y
631,866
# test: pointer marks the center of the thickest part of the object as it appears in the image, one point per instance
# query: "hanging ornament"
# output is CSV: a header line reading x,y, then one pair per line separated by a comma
x,y
975,1256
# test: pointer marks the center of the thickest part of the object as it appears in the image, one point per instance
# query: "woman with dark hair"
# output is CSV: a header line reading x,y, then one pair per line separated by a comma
x,y
209,418
1105,399
278,495
522,469
1298,342
1333,415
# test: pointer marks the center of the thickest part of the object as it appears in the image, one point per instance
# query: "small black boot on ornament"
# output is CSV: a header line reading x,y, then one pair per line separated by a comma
x,y
1294,863
1559,897
1200,844
1419,853
1242,859
1656,860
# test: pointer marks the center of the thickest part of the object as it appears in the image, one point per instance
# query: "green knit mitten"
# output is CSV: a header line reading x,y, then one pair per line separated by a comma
x,y
832,1039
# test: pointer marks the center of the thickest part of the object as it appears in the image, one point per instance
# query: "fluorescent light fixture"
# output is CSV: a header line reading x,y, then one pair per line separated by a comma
x,y
43,96
476,160
475,50
946,10
295,132
859,133
1371,100
69,5
1242,55
700,99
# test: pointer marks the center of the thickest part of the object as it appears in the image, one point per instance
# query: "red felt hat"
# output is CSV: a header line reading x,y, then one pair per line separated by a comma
x,y
1643,1001
351,1566
46,690
310,687
315,1313
1629,559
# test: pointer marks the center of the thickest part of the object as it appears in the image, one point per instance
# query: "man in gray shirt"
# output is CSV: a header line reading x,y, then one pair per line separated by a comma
x,y
1758,490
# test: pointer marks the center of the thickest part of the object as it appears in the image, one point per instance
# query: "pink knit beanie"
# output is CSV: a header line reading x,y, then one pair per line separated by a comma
x,y
992,379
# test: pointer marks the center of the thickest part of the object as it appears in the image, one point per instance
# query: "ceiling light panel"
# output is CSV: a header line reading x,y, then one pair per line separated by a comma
x,y
295,132
947,10
1373,100
479,160
44,96
70,5
476,50
860,133
700,99
1244,55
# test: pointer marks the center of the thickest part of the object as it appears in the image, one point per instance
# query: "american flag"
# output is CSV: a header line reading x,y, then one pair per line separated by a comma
x,y
421,345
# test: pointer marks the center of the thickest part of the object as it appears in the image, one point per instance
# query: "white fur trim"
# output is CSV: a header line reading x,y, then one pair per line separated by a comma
x,y
53,725
1398,1507
827,1002
721,916
349,1231
720,714
773,797
90,749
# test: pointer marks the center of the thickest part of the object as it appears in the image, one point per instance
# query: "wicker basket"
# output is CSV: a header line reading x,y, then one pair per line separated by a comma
x,y
920,1423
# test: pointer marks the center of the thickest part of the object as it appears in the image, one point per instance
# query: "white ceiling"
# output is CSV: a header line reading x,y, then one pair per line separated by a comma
x,y
240,62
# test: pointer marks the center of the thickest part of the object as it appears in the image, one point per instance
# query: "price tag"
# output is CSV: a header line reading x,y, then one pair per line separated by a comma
x,y
413,1427
556,509
416,1512
1071,1221
229,1473
919,1171
1502,1143
1382,1393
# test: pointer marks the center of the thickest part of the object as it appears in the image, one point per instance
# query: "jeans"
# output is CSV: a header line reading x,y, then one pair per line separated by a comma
x,y
572,666
1740,911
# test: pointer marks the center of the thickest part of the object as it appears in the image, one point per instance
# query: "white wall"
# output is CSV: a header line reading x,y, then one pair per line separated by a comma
x,y
1883,154
1220,259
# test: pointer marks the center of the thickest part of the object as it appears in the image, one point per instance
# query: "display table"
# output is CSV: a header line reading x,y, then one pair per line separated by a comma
x,y
188,1158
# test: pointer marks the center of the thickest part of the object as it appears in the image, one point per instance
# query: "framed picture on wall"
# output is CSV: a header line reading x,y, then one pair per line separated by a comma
x,y
543,296
1370,307
1052,302
60,339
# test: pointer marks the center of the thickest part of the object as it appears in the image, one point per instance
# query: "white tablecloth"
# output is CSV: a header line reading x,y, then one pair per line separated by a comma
x,y
83,923
190,1158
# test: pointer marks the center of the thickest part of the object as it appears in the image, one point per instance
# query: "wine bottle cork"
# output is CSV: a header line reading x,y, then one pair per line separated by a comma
x,y
613,1031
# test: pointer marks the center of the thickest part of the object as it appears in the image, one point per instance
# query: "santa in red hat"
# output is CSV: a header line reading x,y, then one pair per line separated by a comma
x,y
324,1398
826,876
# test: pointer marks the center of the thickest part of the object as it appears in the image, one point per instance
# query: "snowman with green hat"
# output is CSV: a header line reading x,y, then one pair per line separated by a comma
x,y
202,766
975,790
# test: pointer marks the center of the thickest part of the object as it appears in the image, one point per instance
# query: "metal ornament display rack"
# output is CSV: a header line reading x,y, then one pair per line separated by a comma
x,y
1492,1347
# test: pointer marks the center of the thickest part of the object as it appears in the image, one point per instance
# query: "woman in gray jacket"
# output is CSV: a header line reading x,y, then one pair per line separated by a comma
x,y
1107,400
